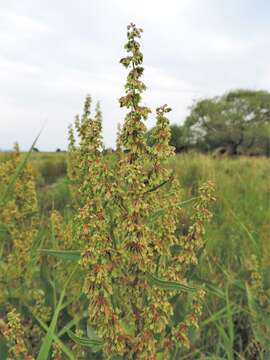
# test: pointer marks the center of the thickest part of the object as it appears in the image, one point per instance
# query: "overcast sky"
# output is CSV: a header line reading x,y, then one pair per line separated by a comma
x,y
53,53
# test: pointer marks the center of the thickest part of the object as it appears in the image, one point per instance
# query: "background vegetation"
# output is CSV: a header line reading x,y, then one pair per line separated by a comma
x,y
235,323
235,123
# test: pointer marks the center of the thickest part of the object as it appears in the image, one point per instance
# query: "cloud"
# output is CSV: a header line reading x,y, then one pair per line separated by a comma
x,y
53,54
8,67
25,24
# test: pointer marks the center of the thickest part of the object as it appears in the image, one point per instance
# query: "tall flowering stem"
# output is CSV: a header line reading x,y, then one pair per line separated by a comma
x,y
133,132
134,260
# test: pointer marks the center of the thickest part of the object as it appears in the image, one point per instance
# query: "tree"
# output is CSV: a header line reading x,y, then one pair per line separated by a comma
x,y
235,121
180,137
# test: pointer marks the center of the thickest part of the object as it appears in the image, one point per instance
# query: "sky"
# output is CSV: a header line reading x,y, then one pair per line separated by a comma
x,y
54,53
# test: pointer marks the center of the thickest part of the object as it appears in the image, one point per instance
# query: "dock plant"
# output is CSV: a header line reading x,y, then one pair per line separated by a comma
x,y
19,225
19,268
142,304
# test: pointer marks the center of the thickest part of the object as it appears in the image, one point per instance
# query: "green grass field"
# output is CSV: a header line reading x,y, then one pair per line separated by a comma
x,y
238,232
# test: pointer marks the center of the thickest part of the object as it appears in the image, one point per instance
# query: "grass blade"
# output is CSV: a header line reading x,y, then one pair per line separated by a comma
x,y
94,343
47,342
72,255
168,285
20,167
62,346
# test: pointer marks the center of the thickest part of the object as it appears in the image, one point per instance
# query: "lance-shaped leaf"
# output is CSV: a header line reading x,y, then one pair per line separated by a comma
x,y
168,285
93,342
50,335
72,255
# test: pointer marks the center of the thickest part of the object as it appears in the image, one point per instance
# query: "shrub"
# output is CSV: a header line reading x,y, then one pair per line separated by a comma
x,y
52,169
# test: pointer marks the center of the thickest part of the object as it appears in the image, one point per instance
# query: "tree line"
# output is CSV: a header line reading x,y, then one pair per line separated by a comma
x,y
235,123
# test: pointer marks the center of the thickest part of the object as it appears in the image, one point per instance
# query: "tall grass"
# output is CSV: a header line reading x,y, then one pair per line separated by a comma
x,y
238,231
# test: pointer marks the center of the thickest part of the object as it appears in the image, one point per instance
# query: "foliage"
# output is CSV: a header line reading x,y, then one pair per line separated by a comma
x,y
19,223
19,217
28,282
236,120
236,258
238,232
180,138
51,170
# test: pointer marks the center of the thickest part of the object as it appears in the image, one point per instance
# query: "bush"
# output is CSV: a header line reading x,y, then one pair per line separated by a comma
x,y
52,169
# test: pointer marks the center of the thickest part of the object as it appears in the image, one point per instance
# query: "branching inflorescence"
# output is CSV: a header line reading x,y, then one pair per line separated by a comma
x,y
134,260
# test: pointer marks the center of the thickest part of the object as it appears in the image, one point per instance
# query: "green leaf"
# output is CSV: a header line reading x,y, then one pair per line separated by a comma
x,y
69,325
56,338
50,335
48,283
168,285
94,343
72,255
188,201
